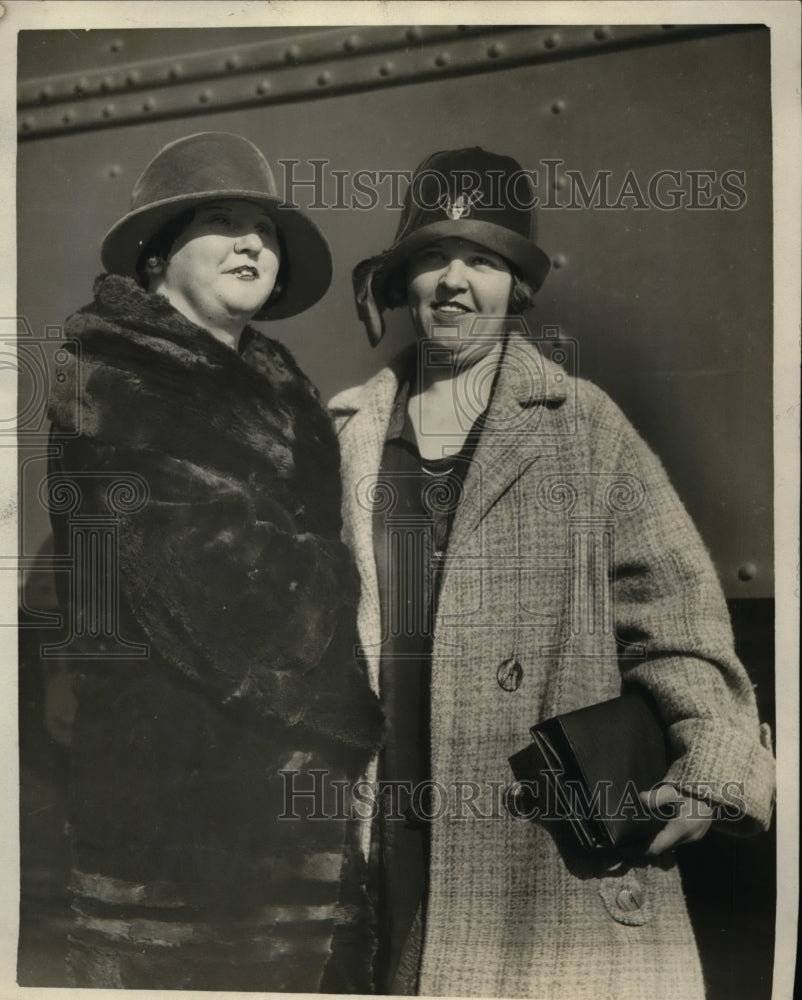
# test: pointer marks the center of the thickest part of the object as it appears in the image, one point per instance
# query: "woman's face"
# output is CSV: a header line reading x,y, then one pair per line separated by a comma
x,y
458,293
223,266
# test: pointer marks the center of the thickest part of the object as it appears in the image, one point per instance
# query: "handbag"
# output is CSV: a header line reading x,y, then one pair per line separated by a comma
x,y
585,769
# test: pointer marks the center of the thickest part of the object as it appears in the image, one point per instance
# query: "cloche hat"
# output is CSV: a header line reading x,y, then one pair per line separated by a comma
x,y
210,165
470,193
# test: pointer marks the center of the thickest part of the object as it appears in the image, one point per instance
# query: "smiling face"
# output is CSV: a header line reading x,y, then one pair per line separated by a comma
x,y
458,293
223,266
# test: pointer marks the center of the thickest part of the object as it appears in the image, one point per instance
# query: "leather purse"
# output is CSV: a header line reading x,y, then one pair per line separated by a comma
x,y
585,769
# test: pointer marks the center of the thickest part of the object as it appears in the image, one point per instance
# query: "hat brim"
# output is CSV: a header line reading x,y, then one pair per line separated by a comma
x,y
307,250
530,260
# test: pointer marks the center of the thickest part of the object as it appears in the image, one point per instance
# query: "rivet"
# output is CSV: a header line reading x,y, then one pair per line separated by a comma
x,y
442,59
82,86
414,35
263,87
132,78
28,124
323,78
149,104
292,53
495,50
600,34
46,92
108,111
351,43
176,71
747,572
205,96
386,69
107,83
67,117
114,171
552,41
559,260
116,45
232,62
557,107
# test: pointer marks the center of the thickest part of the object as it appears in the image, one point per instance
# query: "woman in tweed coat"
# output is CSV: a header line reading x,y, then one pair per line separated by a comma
x,y
527,616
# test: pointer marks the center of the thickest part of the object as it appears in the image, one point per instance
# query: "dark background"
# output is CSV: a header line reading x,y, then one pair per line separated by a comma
x,y
671,310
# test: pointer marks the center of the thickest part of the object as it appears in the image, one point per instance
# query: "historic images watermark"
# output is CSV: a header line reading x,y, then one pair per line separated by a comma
x,y
554,185
315,795
87,568
40,361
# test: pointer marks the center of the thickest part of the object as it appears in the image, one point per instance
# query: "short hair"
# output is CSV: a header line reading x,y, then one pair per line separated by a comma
x,y
522,295
282,282
162,243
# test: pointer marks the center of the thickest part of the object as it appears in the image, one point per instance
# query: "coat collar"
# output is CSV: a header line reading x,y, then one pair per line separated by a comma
x,y
528,377
377,394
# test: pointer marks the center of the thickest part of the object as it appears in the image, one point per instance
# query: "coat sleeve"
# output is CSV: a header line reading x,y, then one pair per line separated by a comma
x,y
667,599
229,594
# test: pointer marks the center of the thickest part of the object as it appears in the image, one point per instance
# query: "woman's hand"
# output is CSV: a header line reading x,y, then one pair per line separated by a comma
x,y
690,821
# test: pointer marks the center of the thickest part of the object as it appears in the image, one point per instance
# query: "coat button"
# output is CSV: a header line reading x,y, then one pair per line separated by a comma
x,y
629,899
509,674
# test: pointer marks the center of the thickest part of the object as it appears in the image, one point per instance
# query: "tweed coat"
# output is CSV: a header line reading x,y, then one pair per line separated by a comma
x,y
572,568
230,658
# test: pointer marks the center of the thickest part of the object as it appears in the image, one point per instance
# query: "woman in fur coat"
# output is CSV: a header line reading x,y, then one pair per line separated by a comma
x,y
195,485
523,555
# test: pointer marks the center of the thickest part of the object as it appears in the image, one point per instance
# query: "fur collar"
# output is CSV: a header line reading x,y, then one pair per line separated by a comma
x,y
142,376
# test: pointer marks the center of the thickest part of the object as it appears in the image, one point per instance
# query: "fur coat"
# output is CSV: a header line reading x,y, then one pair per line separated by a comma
x,y
572,569
216,642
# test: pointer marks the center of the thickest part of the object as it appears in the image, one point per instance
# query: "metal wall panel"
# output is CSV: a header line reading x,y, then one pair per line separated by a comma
x,y
671,308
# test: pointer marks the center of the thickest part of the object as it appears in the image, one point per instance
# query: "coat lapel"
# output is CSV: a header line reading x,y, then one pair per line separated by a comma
x,y
511,439
361,416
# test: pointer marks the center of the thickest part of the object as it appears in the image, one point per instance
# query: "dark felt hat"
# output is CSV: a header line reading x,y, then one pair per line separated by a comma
x,y
211,165
469,193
